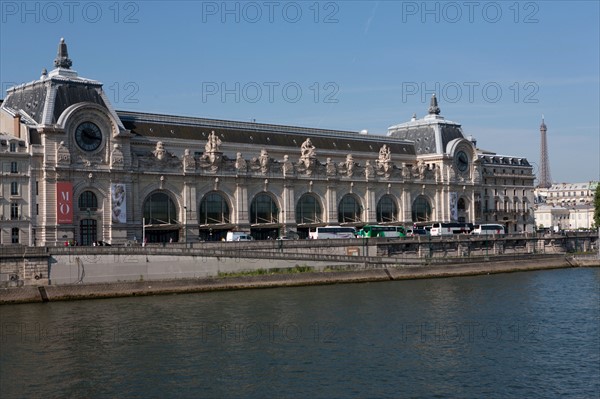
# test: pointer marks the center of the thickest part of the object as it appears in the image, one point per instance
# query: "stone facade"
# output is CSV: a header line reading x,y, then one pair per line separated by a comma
x,y
557,217
565,206
103,175
567,194
17,193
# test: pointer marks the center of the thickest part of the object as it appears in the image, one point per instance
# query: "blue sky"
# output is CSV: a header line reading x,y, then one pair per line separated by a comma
x,y
496,66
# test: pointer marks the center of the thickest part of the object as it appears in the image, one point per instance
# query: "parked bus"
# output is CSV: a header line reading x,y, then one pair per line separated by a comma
x,y
448,229
381,231
332,232
488,229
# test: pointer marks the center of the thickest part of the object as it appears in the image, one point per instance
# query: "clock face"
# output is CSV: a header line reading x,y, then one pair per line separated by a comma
x,y
462,161
88,136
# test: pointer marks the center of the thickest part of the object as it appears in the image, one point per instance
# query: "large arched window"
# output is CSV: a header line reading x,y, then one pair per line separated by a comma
x,y
88,200
387,210
160,209
263,209
421,209
213,209
308,210
462,205
349,210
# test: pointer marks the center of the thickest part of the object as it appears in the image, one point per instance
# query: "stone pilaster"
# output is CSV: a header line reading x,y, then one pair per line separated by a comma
x,y
331,204
242,207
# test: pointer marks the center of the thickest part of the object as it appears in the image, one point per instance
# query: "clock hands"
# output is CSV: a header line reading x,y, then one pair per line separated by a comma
x,y
90,134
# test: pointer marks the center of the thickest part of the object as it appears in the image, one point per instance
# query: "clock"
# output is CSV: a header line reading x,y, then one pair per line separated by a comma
x,y
88,136
462,161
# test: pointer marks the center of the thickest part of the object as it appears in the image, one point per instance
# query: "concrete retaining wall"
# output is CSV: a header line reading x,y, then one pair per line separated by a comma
x,y
70,269
136,288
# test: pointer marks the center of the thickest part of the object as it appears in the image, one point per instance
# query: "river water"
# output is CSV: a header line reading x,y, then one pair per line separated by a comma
x,y
518,335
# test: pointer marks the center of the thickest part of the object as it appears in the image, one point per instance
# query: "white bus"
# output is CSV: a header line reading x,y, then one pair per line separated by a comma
x,y
488,229
332,232
448,229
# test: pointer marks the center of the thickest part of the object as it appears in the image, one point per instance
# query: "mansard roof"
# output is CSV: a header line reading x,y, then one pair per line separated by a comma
x,y
43,101
430,134
572,186
259,134
503,160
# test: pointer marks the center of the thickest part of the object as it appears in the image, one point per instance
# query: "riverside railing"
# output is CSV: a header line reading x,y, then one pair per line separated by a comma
x,y
459,246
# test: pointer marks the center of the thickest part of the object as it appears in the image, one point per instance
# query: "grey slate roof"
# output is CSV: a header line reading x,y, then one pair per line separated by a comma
x,y
267,135
30,99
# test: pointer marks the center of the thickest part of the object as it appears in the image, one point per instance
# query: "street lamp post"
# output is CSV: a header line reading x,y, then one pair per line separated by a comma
x,y
185,224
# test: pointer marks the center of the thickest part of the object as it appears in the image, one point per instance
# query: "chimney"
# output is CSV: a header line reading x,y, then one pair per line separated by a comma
x,y
17,125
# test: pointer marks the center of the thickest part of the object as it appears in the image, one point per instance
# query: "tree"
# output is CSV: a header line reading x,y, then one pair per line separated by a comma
x,y
597,206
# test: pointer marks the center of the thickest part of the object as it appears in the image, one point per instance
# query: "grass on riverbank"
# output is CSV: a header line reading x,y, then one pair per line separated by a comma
x,y
263,272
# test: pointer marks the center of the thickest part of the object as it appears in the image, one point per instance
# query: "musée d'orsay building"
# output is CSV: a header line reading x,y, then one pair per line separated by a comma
x,y
75,169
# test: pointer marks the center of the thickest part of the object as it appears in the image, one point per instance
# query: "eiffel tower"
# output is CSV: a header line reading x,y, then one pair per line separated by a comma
x,y
545,181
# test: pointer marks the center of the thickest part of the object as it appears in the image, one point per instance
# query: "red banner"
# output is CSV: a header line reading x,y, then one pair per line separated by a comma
x,y
64,202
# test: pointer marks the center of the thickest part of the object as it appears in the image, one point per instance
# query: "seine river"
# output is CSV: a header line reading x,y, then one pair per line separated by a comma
x,y
519,335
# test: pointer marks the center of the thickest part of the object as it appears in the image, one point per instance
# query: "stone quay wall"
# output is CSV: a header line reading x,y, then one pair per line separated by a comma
x,y
189,285
44,266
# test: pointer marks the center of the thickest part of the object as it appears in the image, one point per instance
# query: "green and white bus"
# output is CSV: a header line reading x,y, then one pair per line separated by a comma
x,y
381,231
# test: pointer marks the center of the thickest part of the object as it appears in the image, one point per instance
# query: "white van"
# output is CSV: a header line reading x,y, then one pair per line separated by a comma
x,y
488,229
238,236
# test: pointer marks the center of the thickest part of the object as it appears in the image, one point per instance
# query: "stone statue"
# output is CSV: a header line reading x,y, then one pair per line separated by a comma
x,y
288,166
213,144
307,149
307,158
159,152
189,163
240,163
212,157
406,171
264,161
384,163
347,167
422,168
369,170
385,154
330,168
159,158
